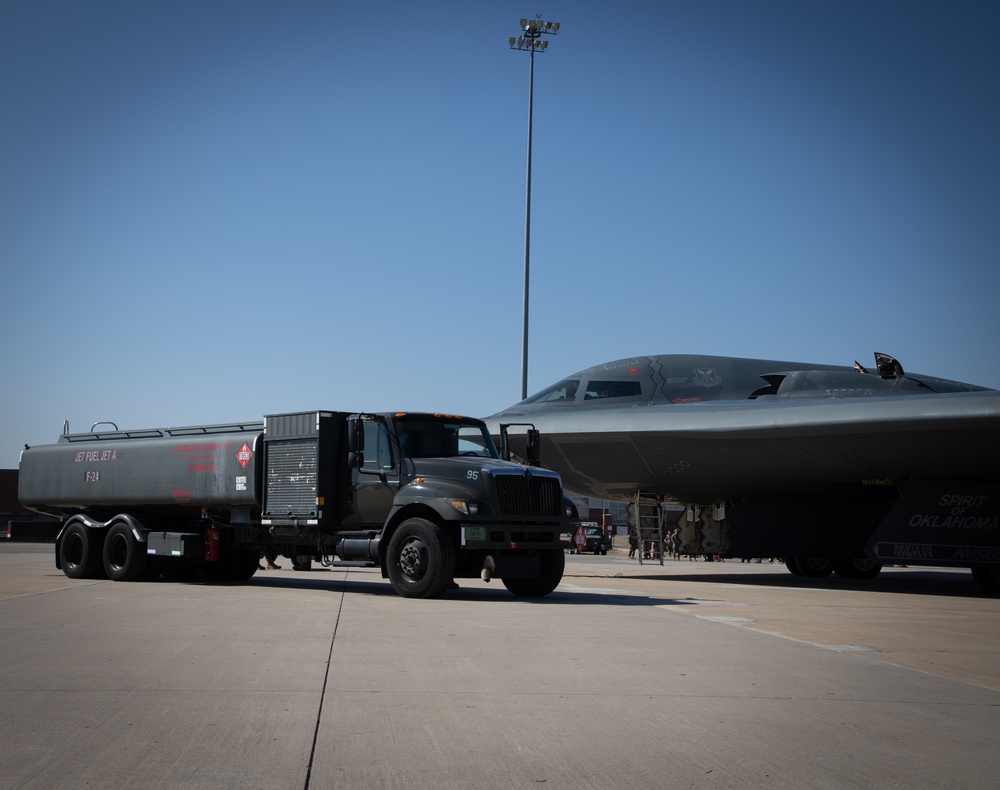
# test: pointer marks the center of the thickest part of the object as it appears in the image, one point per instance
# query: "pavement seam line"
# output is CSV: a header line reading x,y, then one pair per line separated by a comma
x,y
322,696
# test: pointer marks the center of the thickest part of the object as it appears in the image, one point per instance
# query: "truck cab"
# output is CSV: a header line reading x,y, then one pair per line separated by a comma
x,y
500,519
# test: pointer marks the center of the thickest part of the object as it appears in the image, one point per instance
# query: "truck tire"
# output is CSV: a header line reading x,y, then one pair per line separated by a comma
x,y
553,565
420,559
125,558
80,552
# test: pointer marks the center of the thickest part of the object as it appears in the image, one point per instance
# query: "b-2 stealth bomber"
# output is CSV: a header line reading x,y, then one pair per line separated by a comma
x,y
829,467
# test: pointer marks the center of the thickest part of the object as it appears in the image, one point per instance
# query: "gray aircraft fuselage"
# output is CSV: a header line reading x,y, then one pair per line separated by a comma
x,y
696,429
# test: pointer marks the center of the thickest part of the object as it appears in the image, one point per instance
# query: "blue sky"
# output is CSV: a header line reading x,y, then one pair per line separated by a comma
x,y
210,211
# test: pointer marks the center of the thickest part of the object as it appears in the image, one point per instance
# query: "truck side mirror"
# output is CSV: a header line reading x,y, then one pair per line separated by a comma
x,y
532,441
355,442
534,448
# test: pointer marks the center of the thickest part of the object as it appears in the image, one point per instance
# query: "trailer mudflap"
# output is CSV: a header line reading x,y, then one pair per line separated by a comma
x,y
175,544
936,522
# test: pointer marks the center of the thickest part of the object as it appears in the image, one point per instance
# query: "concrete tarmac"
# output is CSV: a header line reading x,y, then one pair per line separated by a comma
x,y
688,675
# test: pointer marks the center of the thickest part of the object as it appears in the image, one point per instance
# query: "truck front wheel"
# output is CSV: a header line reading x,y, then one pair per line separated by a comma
x,y
553,565
421,559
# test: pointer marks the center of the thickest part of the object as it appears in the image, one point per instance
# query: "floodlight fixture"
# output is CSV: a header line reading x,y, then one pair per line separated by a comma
x,y
532,30
529,41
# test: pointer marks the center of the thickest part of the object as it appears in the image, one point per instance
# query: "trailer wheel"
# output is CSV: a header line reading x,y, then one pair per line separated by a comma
x,y
80,552
248,565
857,568
236,565
125,558
154,568
421,559
553,565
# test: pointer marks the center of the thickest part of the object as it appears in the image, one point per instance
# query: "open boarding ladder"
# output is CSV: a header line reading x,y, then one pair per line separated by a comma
x,y
646,523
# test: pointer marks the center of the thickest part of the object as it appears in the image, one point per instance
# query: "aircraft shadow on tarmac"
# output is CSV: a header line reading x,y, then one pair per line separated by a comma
x,y
957,583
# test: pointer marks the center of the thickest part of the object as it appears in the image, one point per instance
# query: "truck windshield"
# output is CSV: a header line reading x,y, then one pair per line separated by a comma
x,y
443,438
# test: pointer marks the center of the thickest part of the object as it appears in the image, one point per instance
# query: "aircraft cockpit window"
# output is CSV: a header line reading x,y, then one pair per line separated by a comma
x,y
612,389
563,392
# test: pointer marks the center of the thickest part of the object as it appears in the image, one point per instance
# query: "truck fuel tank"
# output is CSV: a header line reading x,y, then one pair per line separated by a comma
x,y
199,466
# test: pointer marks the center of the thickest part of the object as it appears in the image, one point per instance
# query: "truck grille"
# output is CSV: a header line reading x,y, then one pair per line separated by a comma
x,y
528,495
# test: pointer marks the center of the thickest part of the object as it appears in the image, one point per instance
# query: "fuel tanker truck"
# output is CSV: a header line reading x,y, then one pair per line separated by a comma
x,y
424,496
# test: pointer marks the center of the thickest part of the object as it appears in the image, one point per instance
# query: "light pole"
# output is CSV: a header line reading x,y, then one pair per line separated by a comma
x,y
529,41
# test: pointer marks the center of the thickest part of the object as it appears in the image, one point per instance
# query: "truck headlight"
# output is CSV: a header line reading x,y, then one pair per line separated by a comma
x,y
465,508
570,509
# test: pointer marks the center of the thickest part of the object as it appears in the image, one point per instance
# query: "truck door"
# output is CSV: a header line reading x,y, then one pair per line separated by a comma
x,y
376,482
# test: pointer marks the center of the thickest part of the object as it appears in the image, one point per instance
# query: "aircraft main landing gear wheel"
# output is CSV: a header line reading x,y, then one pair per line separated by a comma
x,y
814,567
857,568
988,579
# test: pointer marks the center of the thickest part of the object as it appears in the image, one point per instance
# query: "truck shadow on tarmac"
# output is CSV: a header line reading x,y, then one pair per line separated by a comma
x,y
494,594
